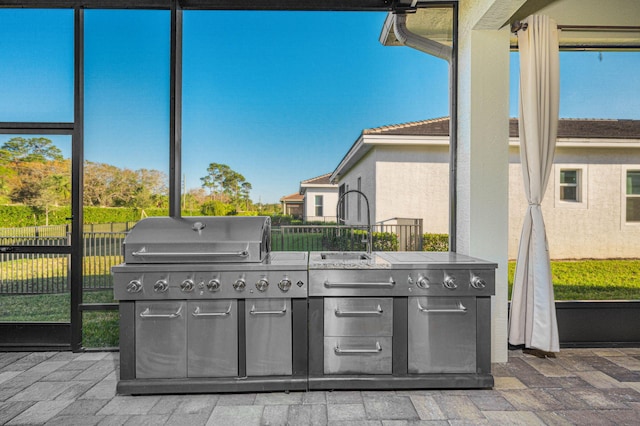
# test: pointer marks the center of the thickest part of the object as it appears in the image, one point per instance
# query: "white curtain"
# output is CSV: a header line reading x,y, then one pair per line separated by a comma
x,y
532,320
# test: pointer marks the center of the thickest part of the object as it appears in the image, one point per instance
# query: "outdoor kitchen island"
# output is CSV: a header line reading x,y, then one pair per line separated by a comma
x,y
206,306
387,320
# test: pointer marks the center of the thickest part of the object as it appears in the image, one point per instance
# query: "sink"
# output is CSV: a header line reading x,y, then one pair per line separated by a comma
x,y
345,255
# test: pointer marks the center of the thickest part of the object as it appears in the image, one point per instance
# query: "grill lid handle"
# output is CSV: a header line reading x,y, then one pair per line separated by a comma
x,y
144,253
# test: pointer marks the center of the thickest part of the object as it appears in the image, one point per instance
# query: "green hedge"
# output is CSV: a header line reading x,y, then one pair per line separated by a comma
x,y
435,242
19,216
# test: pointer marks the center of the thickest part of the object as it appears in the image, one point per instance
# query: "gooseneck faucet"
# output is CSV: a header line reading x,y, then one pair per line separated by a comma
x,y
338,219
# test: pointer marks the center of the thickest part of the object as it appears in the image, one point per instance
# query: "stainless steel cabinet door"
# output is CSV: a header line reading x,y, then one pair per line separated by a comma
x,y
268,334
442,335
161,340
212,333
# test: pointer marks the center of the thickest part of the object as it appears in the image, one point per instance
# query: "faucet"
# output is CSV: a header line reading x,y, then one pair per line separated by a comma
x,y
338,219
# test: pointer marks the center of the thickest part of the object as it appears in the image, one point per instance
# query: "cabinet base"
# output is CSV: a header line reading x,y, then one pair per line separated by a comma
x,y
211,385
435,381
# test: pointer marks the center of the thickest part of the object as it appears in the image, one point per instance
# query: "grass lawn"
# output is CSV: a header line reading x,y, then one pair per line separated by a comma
x,y
592,279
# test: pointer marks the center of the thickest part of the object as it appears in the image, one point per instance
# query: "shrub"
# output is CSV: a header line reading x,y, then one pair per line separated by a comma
x,y
435,242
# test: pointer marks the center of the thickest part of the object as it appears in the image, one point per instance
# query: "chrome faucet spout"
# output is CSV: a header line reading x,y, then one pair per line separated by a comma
x,y
338,218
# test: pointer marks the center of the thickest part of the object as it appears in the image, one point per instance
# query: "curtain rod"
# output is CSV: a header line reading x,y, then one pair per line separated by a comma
x,y
518,25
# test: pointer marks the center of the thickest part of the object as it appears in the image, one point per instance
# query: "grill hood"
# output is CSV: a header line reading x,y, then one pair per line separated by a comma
x,y
199,239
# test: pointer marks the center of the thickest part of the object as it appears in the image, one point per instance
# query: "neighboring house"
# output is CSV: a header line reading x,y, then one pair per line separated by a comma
x,y
292,205
320,199
591,206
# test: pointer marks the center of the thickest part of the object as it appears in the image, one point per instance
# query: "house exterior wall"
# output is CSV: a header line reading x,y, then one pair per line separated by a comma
x,y
330,199
595,226
365,169
413,182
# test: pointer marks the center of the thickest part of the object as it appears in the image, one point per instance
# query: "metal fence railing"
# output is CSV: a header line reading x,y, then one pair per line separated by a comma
x,y
32,273
386,237
35,273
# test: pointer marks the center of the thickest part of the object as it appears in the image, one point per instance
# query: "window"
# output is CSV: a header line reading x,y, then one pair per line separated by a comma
x,y
570,185
633,195
318,205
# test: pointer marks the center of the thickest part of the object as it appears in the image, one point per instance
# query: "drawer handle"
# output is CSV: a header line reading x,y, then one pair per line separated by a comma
x,y
375,350
147,314
458,310
389,283
278,312
197,313
341,313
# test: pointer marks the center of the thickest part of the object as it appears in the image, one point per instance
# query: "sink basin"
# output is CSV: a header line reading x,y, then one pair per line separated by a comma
x,y
345,255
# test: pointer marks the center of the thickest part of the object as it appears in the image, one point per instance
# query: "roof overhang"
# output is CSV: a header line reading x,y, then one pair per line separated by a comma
x,y
366,143
584,24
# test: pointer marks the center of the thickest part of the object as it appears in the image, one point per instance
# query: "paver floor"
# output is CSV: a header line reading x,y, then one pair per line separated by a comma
x,y
580,386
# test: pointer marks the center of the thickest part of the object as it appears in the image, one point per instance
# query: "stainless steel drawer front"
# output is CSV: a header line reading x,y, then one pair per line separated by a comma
x,y
442,335
212,329
357,355
269,337
161,340
358,316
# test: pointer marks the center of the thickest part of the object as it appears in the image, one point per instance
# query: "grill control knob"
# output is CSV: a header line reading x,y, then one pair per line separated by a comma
x,y
284,284
161,286
423,282
187,285
262,284
239,284
450,282
477,282
213,285
134,286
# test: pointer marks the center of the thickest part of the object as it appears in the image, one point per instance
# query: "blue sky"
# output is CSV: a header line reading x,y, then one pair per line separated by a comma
x,y
278,96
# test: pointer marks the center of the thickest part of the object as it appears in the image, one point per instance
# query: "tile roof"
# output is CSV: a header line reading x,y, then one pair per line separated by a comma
x,y
318,180
567,128
293,198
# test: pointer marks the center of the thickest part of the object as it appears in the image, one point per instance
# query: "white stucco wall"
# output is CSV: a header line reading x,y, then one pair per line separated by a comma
x,y
413,182
366,170
330,199
593,228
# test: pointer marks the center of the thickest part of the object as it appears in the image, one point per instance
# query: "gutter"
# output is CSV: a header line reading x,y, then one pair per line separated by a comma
x,y
449,54
417,42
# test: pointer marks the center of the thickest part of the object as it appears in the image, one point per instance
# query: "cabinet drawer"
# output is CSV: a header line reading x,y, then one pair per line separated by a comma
x,y
357,355
358,316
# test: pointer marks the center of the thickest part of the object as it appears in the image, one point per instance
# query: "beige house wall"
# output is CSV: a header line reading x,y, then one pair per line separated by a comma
x,y
592,228
414,191
330,199
365,169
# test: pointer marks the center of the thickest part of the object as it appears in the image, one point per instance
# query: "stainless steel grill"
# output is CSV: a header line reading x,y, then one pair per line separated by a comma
x,y
206,307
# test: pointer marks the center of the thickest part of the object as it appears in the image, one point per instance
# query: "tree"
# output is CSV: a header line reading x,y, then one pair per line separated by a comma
x,y
109,186
35,173
30,150
225,184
